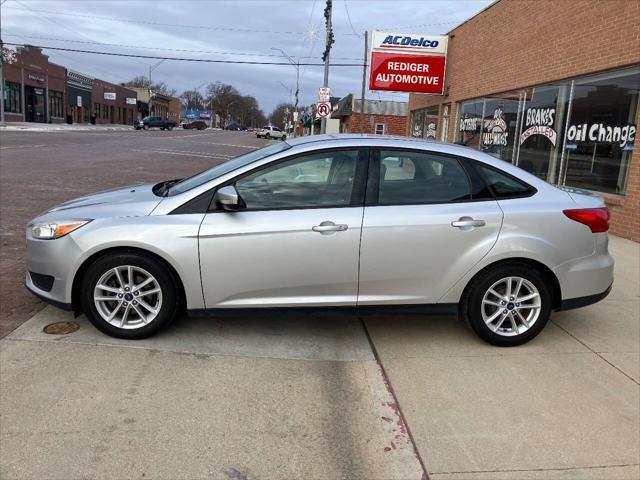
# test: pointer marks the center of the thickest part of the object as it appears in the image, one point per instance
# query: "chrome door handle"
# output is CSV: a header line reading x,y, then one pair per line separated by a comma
x,y
329,227
467,222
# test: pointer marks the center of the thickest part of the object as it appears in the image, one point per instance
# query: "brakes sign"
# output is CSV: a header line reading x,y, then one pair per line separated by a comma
x,y
408,63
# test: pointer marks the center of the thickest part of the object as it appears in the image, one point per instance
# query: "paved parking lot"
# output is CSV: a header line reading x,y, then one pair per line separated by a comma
x,y
316,397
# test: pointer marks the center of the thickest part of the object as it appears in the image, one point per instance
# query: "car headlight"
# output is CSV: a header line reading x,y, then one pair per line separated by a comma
x,y
53,230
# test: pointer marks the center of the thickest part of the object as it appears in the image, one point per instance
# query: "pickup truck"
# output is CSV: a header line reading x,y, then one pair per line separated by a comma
x,y
155,122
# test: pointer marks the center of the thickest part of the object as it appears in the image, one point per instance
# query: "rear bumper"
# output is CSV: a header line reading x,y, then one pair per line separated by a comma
x,y
580,302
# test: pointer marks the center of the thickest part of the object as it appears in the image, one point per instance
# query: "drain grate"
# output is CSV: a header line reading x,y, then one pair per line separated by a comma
x,y
61,328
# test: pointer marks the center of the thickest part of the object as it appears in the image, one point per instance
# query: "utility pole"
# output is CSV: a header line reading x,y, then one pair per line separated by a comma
x,y
329,42
364,81
297,66
1,83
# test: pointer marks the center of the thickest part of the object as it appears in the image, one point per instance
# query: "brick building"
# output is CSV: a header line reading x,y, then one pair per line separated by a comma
x,y
34,88
380,116
173,110
551,87
113,103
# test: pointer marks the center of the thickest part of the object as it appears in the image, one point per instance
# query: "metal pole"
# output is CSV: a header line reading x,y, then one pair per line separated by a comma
x,y
323,122
364,81
295,109
149,104
1,84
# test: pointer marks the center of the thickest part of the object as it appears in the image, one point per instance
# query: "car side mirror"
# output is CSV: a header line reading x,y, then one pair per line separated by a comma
x,y
228,198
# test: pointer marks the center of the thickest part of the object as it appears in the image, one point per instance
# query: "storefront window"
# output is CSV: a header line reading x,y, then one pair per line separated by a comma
x,y
529,128
12,103
424,123
602,131
470,123
56,105
542,129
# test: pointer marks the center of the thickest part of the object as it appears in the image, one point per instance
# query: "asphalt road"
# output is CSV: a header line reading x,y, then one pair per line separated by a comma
x,y
39,170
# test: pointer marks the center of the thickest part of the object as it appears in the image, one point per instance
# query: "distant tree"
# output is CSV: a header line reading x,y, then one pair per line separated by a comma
x,y
222,97
158,87
278,117
192,99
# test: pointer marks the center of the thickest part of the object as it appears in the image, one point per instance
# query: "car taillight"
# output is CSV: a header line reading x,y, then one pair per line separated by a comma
x,y
597,219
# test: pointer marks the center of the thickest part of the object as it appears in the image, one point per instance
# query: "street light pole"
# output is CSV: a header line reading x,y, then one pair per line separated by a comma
x,y
151,69
296,64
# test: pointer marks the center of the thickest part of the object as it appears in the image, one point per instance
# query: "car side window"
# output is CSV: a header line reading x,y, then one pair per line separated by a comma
x,y
503,185
408,177
315,180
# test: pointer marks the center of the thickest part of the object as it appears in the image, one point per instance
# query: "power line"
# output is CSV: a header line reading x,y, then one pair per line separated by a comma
x,y
161,24
55,23
182,59
216,52
349,18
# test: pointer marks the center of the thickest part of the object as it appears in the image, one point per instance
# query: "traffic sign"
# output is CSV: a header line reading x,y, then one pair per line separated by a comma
x,y
324,94
323,109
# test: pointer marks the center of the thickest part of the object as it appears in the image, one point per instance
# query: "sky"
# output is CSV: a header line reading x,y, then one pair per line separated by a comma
x,y
238,30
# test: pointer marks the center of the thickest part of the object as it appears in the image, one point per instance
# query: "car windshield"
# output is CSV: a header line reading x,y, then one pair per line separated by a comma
x,y
224,168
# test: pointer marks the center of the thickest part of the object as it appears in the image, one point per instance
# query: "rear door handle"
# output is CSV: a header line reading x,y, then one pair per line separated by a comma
x,y
329,227
467,222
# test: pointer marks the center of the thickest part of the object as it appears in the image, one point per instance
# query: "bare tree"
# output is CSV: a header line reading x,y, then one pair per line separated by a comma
x,y
192,99
143,82
278,117
222,97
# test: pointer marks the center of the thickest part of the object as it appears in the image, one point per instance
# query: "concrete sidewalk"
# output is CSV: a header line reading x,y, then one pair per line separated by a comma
x,y
62,127
209,398
565,405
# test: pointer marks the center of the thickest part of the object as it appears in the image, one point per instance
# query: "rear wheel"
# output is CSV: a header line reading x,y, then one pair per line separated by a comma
x,y
507,305
170,127
146,127
268,136
283,138
129,295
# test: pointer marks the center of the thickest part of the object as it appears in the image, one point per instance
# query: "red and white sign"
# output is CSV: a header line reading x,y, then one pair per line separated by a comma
x,y
408,63
323,109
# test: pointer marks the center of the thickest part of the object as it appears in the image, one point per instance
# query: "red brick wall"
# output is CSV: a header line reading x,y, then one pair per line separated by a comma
x,y
122,113
521,43
393,124
31,60
173,112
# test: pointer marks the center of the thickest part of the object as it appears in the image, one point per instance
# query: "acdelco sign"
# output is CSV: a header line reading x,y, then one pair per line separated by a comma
x,y
408,63
420,44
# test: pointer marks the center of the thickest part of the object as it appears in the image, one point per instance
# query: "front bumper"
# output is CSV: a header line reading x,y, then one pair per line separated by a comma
x,y
58,259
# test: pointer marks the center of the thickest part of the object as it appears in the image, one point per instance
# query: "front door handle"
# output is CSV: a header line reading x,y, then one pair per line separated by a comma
x,y
326,226
468,222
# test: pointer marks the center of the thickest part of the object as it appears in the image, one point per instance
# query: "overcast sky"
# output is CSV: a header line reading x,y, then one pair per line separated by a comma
x,y
236,30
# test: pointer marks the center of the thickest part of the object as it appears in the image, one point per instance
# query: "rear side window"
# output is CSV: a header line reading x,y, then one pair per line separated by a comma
x,y
503,185
408,177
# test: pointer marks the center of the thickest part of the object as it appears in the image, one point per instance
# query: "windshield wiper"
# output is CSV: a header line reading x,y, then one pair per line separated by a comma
x,y
162,189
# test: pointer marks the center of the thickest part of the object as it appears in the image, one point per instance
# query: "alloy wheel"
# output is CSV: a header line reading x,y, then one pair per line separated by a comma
x,y
511,306
128,297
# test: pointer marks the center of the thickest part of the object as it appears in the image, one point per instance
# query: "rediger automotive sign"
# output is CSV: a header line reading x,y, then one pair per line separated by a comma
x,y
408,63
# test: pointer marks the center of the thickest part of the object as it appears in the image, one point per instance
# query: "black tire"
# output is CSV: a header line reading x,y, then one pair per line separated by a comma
x,y
170,127
471,303
268,136
283,138
166,281
146,127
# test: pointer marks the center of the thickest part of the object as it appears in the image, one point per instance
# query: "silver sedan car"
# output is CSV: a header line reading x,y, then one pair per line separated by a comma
x,y
366,222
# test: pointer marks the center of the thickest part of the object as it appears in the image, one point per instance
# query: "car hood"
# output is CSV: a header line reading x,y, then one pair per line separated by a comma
x,y
132,201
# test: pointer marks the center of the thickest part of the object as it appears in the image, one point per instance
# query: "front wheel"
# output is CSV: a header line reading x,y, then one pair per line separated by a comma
x,y
283,138
268,136
507,305
170,127
146,127
129,295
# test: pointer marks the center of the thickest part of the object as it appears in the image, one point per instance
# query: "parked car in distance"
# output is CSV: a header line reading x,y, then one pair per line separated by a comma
x,y
365,222
271,132
235,127
155,122
196,124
